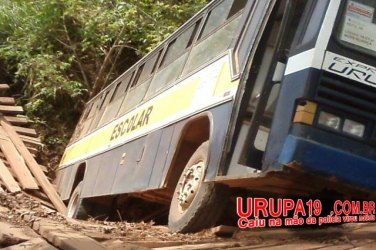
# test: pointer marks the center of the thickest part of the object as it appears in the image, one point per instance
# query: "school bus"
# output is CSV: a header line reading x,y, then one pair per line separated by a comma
x,y
269,95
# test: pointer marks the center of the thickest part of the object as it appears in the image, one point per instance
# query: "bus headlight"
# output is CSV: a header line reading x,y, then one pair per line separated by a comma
x,y
329,120
354,128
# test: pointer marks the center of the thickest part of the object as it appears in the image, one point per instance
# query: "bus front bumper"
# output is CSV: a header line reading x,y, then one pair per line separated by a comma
x,y
328,161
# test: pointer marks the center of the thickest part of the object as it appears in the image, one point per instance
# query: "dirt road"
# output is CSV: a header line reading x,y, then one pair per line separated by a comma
x,y
26,224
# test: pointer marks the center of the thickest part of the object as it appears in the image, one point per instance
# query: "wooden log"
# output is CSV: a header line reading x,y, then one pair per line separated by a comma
x,y
8,180
17,164
15,120
4,87
34,168
11,109
7,101
26,131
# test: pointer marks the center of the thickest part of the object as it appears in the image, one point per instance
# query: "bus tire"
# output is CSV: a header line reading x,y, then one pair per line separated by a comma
x,y
200,209
75,208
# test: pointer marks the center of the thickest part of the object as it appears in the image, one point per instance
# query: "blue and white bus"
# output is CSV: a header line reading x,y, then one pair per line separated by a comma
x,y
270,95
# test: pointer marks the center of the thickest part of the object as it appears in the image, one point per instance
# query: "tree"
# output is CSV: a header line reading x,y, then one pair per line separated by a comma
x,y
60,53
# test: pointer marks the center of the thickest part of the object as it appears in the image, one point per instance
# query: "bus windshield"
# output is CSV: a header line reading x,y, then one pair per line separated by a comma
x,y
358,26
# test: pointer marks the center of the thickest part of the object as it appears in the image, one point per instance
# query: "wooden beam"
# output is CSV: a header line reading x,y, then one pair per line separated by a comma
x,y
7,178
7,101
15,120
17,164
32,140
32,150
34,168
26,131
4,87
11,109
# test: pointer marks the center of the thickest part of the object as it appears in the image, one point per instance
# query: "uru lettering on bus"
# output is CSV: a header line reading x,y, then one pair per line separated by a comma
x,y
138,120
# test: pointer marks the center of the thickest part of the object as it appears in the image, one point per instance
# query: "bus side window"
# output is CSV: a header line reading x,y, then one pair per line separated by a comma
x,y
149,67
174,59
141,83
112,108
220,14
217,33
105,100
88,120
135,93
77,132
138,74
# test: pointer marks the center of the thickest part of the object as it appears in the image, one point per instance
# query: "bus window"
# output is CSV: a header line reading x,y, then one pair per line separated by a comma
x,y
140,84
106,98
220,14
88,120
212,46
179,45
357,28
116,99
138,74
134,97
149,67
156,62
177,50
80,125
168,74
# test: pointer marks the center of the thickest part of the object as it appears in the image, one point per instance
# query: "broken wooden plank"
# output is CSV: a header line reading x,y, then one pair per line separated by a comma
x,y
7,101
8,180
32,150
17,164
34,168
11,109
16,120
4,87
26,131
30,143
31,140
64,237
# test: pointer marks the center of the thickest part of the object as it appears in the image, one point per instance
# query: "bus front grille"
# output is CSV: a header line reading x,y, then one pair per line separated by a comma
x,y
347,95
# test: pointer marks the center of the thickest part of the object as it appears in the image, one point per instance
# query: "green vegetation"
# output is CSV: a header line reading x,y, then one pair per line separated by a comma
x,y
60,53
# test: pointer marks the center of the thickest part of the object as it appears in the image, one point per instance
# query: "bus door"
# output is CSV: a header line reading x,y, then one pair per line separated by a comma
x,y
302,71
263,86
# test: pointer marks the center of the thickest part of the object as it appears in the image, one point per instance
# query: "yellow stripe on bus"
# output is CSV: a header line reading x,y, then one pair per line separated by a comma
x,y
170,105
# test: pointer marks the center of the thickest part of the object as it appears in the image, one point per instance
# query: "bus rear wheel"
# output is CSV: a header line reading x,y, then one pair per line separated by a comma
x,y
75,208
195,204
